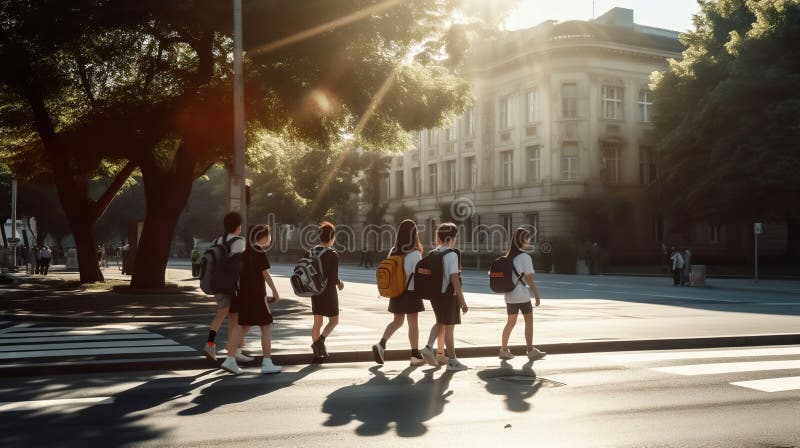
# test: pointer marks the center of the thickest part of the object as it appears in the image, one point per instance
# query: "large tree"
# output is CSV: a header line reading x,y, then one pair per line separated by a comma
x,y
728,112
147,84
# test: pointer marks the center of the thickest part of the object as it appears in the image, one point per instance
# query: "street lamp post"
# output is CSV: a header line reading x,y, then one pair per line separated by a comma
x,y
14,223
236,179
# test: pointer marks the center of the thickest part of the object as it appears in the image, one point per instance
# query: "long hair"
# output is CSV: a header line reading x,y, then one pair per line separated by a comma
x,y
255,233
517,241
407,239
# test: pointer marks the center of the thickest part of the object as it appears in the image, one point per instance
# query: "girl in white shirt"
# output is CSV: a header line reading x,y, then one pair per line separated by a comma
x,y
518,300
408,305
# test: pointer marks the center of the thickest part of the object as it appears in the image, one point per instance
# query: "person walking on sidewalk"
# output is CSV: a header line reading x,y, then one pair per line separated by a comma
x,y
326,304
518,300
677,266
232,223
44,260
406,306
446,301
252,301
686,278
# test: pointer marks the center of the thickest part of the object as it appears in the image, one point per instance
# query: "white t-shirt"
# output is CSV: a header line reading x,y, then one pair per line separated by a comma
x,y
45,253
523,263
237,247
409,264
450,266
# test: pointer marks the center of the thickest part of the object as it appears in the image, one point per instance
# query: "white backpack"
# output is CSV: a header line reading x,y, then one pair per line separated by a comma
x,y
308,278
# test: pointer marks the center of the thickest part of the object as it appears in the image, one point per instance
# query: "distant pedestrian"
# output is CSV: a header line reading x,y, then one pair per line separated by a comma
x,y
196,262
407,305
35,256
687,267
326,304
252,301
235,243
518,300
677,266
595,255
44,260
444,291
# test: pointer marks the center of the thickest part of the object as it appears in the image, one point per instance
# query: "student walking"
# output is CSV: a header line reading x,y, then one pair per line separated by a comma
x,y
518,300
44,260
326,304
437,278
677,267
232,223
406,306
252,301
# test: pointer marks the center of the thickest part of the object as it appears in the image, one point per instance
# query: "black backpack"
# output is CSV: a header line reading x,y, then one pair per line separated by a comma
x,y
503,276
428,275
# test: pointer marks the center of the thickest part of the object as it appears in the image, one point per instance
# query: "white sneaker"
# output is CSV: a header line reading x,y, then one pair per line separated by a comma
x,y
230,365
506,354
377,353
429,356
536,354
441,359
454,365
268,367
209,351
415,362
241,357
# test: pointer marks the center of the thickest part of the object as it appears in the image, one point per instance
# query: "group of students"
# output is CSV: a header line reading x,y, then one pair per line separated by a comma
x,y
250,305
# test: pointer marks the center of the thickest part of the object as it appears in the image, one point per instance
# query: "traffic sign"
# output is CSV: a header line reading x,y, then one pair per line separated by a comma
x,y
758,228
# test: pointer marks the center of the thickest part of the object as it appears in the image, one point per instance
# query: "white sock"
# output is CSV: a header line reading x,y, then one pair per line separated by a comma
x,y
233,358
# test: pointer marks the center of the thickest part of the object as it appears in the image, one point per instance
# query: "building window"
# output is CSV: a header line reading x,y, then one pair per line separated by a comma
x,y
533,164
399,184
432,178
648,165
716,233
450,132
569,162
416,181
450,176
506,221
383,189
469,122
658,227
507,165
609,169
569,100
532,220
611,102
505,112
645,106
531,106
470,173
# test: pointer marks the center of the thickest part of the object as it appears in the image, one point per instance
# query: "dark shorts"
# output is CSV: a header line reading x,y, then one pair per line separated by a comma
x,y
325,305
408,303
514,308
446,310
253,311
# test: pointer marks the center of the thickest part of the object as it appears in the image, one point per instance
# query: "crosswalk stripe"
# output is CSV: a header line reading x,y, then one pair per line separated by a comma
x,y
24,347
33,405
68,333
27,327
95,351
709,354
92,337
13,327
729,367
772,384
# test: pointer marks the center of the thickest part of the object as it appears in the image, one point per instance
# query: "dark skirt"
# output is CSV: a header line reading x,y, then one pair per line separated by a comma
x,y
326,304
253,310
408,303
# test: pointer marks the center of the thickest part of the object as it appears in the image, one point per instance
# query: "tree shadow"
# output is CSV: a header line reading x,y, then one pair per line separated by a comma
x,y
518,387
382,401
231,389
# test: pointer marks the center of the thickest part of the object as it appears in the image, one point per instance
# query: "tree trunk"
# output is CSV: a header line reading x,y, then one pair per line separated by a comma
x,y
166,197
87,252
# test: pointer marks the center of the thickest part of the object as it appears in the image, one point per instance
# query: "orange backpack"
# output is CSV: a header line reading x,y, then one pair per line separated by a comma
x,y
391,277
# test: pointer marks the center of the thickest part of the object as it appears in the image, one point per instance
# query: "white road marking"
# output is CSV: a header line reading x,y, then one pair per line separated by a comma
x,y
93,337
710,354
12,328
96,351
28,327
729,367
43,404
73,345
69,333
772,384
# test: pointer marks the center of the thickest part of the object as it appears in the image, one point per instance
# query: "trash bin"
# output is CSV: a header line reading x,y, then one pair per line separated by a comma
x,y
698,275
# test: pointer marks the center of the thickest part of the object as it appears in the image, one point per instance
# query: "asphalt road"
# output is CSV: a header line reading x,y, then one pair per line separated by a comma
x,y
709,398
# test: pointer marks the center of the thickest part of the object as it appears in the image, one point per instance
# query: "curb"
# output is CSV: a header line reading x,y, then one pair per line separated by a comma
x,y
200,363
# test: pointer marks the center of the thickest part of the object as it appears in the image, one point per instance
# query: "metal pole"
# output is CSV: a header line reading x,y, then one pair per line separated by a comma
x,y
236,184
14,222
756,258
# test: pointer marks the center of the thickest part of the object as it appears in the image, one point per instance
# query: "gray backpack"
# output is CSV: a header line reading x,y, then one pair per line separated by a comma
x,y
219,269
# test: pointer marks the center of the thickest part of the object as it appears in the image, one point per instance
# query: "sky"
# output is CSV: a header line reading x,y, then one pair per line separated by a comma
x,y
670,14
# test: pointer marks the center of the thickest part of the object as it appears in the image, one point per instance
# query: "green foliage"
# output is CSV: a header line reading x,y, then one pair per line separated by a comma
x,y
727,113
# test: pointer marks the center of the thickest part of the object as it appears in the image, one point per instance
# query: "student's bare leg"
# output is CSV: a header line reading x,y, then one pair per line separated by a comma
x,y
315,329
413,330
393,326
237,335
233,322
333,321
512,321
222,313
528,330
437,331
266,341
449,340
440,339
